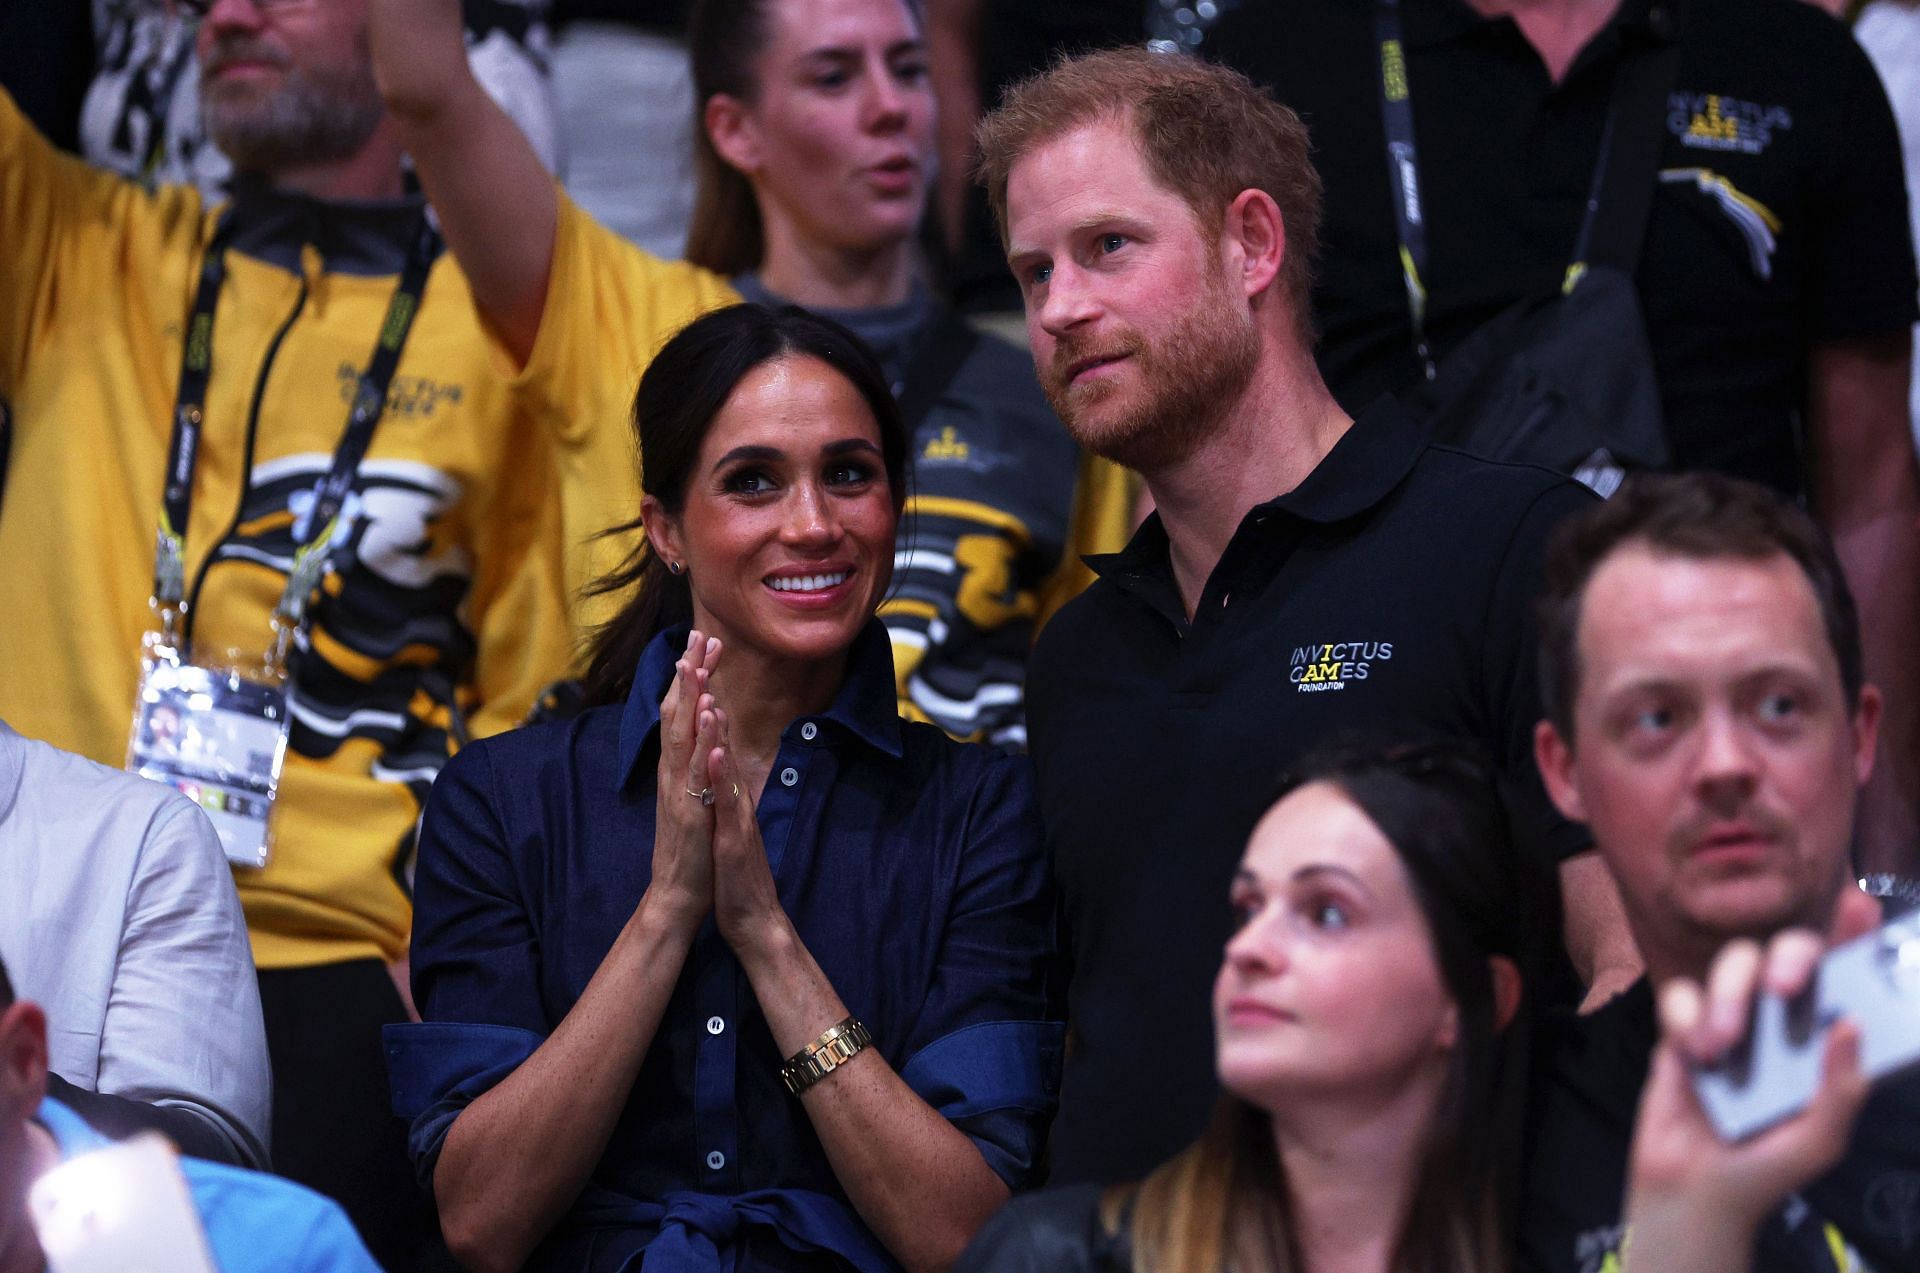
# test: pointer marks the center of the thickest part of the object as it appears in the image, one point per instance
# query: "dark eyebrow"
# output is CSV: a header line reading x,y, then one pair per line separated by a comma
x,y
764,453
774,455
1308,873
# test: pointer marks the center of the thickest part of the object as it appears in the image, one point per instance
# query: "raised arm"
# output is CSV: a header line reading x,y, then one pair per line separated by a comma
x,y
497,204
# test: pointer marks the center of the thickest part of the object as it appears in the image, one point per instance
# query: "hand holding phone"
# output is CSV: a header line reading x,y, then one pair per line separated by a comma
x,y
1770,1072
1696,1198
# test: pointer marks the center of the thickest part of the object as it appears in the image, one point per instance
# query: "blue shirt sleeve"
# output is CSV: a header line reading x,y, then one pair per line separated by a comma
x,y
475,960
256,1223
983,1052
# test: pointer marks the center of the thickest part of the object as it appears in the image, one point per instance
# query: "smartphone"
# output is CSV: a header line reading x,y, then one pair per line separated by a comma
x,y
124,1209
1873,981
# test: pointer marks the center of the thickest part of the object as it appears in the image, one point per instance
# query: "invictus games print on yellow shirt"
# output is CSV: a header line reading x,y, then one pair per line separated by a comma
x,y
441,613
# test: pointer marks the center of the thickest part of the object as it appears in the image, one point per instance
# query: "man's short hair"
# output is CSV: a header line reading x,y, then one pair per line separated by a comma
x,y
1697,515
6,989
1207,133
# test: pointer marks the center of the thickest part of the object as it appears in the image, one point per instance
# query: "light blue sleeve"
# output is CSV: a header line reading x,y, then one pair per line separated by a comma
x,y
332,1245
256,1223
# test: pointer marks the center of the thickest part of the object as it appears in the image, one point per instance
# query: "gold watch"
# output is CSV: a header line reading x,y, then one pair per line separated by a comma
x,y
840,1044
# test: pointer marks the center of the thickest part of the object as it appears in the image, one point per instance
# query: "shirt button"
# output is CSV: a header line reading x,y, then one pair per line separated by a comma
x,y
789,776
716,1160
809,731
715,1025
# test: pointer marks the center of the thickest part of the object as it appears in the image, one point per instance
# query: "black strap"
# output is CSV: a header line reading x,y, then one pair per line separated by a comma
x,y
1628,168
189,410
369,403
1619,198
935,363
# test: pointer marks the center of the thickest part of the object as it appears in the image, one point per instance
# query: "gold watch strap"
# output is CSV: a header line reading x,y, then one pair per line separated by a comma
x,y
833,1049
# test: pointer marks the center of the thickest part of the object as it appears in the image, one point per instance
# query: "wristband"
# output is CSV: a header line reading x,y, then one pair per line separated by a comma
x,y
833,1049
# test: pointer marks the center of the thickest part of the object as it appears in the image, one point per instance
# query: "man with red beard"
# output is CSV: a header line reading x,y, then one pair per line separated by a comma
x,y
1305,575
1707,717
279,419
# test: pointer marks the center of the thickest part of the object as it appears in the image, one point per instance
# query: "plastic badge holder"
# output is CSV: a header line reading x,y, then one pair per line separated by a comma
x,y
1873,981
218,738
124,1209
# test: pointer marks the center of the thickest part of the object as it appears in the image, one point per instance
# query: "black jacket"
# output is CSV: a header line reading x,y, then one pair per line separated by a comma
x,y
1055,1231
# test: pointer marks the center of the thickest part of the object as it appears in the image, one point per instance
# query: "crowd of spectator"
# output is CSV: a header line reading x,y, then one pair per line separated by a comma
x,y
986,634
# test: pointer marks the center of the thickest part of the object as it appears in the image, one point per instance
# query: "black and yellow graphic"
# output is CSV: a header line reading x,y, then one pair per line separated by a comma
x,y
1756,222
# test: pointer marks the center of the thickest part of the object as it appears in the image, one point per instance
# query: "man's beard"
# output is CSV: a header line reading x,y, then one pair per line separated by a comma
x,y
1188,378
314,115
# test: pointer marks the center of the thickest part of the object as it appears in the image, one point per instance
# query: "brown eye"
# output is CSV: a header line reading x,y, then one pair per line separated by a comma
x,y
849,474
748,482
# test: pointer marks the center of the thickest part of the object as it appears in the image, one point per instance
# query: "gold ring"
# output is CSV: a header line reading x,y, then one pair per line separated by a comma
x,y
704,795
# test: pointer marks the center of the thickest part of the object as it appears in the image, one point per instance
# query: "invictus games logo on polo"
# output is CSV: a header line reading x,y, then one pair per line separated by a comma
x,y
1710,121
1335,664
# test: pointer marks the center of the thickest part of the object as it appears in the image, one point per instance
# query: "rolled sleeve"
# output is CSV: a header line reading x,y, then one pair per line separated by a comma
x,y
438,1068
984,1052
999,1083
182,1025
475,962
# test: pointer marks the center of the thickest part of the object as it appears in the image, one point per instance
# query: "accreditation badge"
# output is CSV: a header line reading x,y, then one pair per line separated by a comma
x,y
218,738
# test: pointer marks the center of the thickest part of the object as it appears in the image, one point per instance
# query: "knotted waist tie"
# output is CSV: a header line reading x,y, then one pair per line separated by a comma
x,y
694,1228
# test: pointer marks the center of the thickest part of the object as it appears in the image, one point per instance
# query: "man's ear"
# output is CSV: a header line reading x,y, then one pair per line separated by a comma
x,y
662,530
1507,990
1866,733
23,1058
1255,237
1554,757
732,132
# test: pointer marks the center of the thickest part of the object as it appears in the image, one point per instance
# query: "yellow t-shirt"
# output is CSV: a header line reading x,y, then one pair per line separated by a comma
x,y
610,307
443,608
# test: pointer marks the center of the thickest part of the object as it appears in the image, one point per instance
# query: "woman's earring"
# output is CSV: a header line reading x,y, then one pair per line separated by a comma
x,y
675,568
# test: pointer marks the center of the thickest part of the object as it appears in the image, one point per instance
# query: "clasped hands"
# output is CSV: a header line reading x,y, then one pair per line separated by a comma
x,y
707,852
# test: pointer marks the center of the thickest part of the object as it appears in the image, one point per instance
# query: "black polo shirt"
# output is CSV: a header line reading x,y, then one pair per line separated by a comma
x,y
1779,220
1586,1094
1390,593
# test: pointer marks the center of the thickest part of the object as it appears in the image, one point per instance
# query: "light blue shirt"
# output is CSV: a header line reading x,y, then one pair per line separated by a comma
x,y
255,1223
118,915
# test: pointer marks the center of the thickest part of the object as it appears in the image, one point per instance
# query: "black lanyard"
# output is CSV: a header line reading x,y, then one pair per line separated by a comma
x,y
189,413
1403,168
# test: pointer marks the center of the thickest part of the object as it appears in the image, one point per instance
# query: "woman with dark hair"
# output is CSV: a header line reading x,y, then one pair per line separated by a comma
x,y
814,154
737,969
815,157
1371,1044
